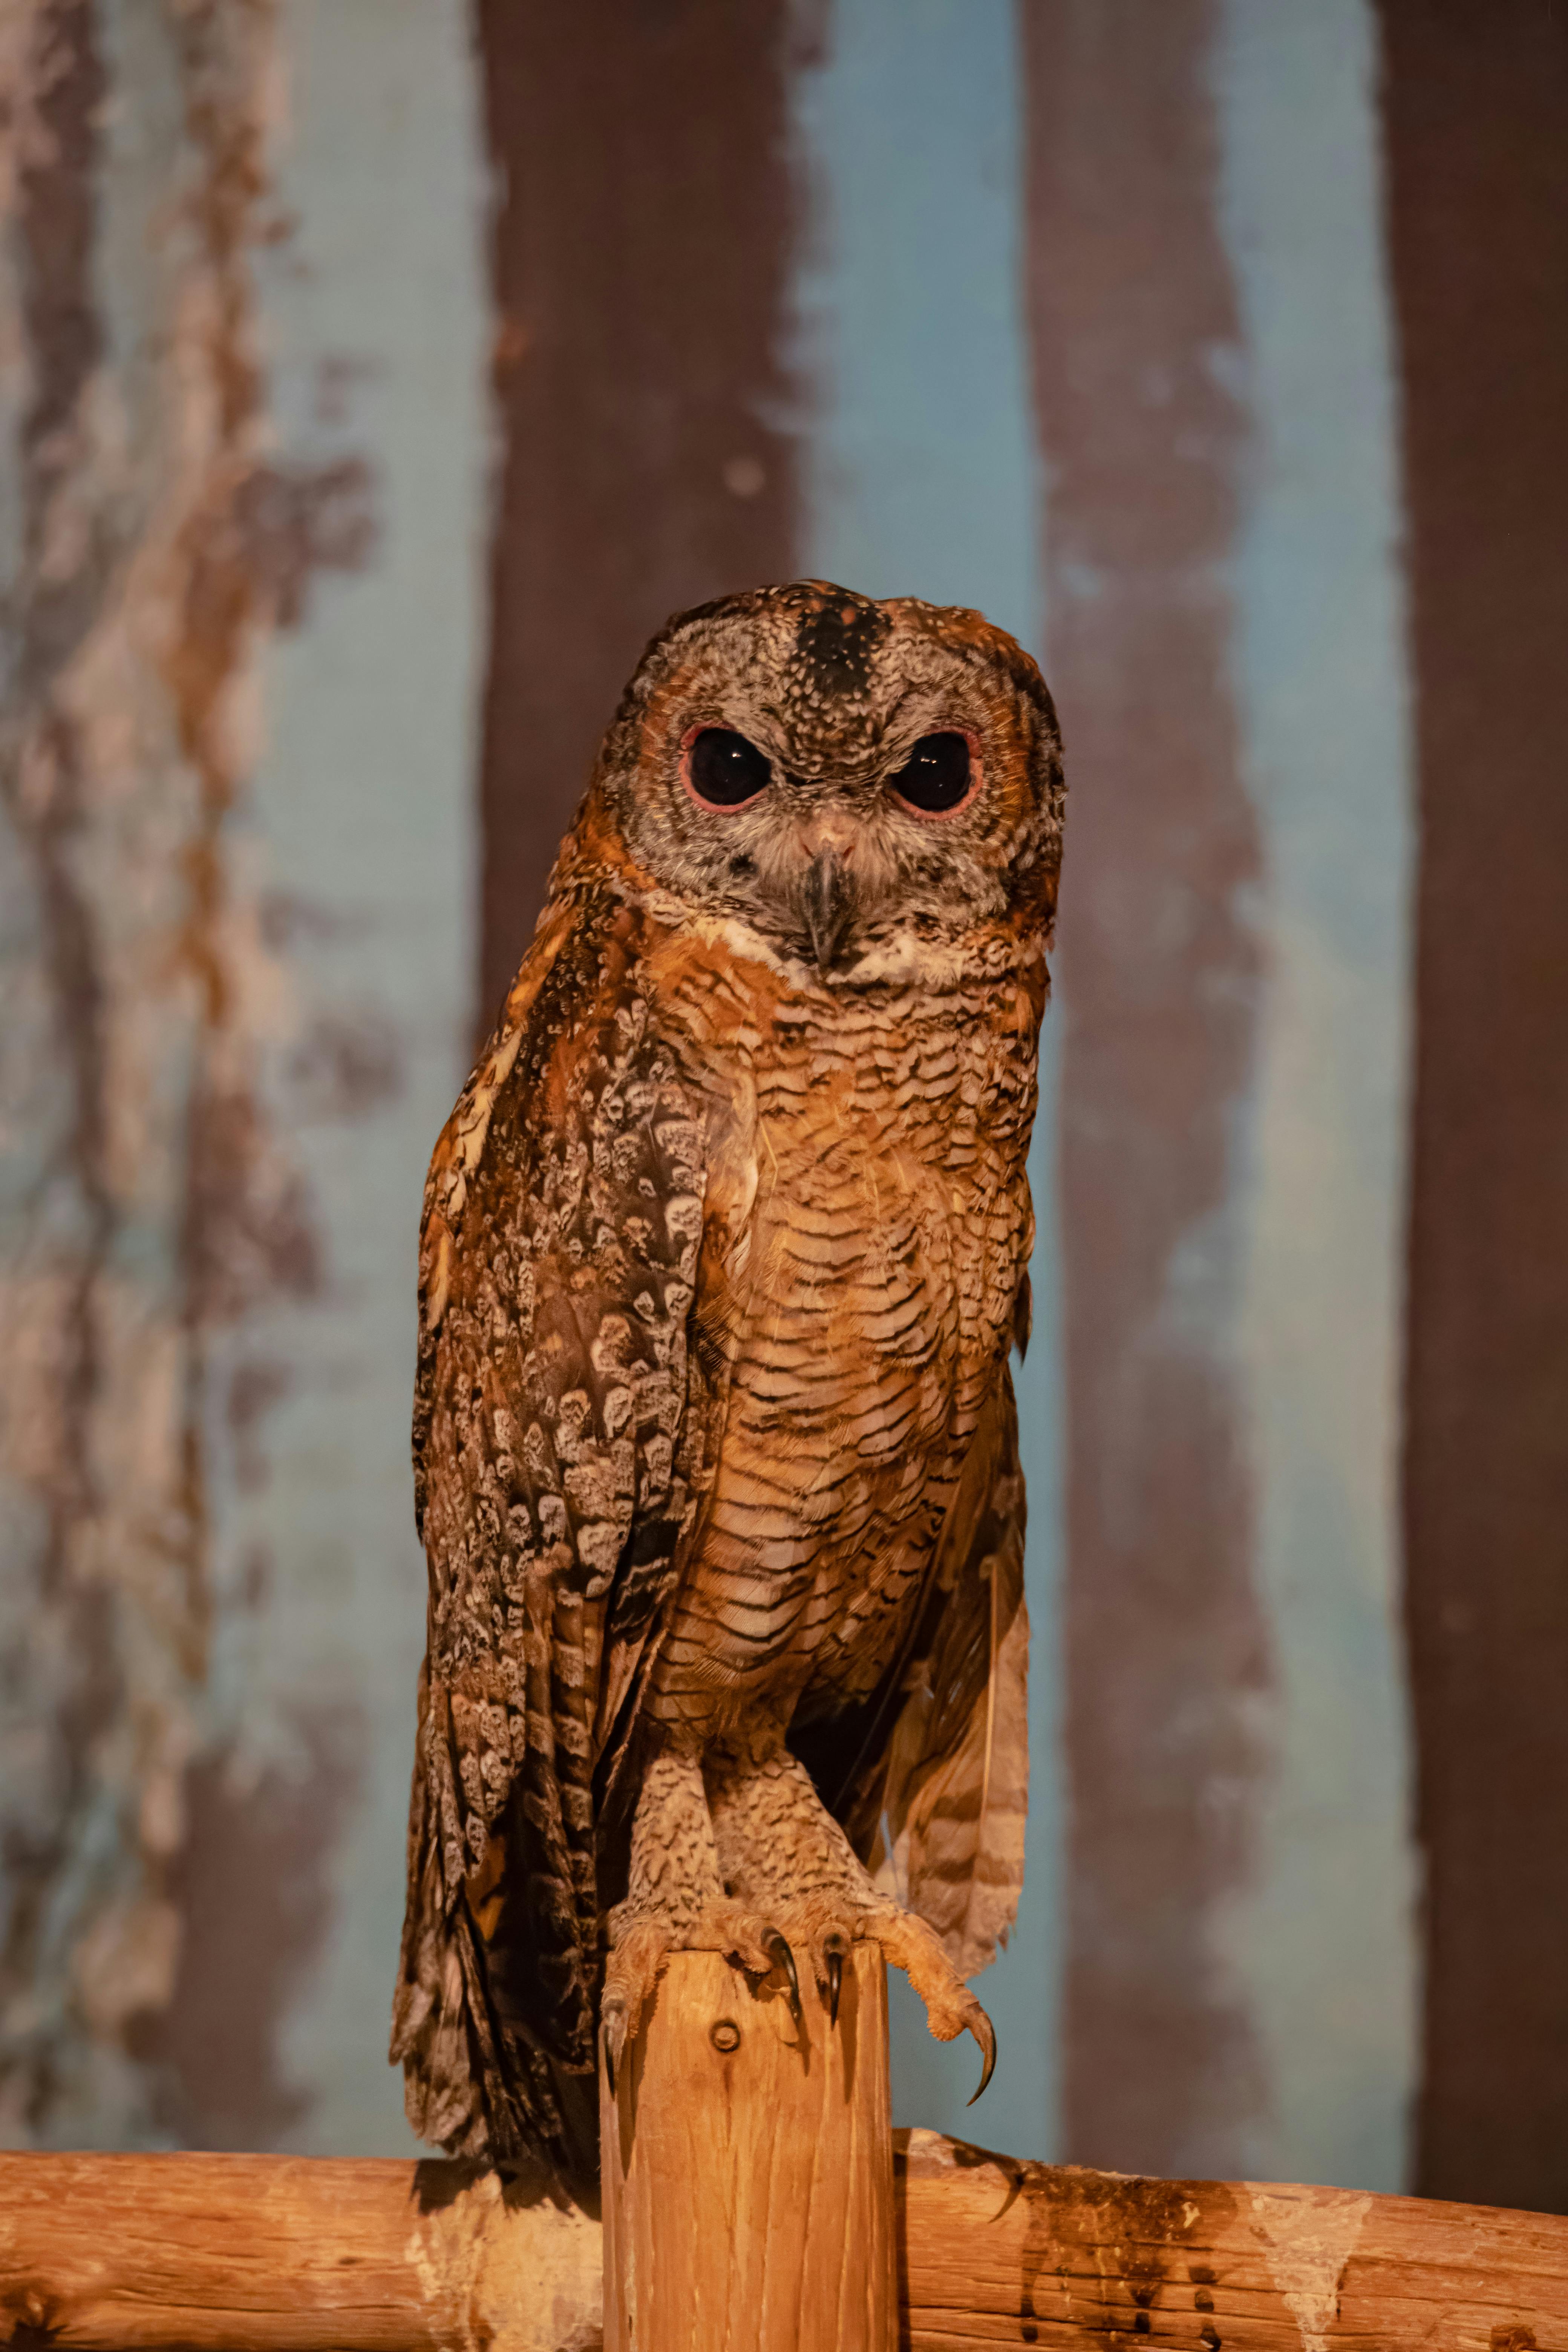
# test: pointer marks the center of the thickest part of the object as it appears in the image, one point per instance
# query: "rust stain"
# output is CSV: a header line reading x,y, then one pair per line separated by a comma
x,y
1135,333
1102,2249
343,1067
162,542
53,120
1475,122
638,353
253,1883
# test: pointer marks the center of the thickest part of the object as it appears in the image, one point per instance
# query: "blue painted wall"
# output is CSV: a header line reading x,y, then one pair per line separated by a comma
x,y
351,847
922,478
925,472
1327,1934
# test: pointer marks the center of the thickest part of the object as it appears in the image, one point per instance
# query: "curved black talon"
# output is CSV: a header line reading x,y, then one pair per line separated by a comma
x,y
613,2027
774,1944
988,2050
835,1945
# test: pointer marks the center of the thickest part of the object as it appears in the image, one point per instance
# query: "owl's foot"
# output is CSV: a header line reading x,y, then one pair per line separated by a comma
x,y
782,1852
824,1923
642,1940
823,1926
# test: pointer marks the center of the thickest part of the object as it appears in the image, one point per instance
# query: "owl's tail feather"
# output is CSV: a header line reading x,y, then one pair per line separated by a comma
x,y
951,1799
471,2084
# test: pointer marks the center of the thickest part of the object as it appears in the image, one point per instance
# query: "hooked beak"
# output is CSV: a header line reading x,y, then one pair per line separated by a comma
x,y
827,902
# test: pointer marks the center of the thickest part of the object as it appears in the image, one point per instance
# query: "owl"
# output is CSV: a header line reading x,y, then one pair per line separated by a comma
x,y
724,1250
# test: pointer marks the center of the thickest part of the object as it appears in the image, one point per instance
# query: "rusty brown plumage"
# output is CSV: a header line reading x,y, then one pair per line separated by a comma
x,y
723,1249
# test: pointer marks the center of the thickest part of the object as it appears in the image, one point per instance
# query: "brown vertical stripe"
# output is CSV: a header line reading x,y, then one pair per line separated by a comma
x,y
1132,314
640,249
1476,116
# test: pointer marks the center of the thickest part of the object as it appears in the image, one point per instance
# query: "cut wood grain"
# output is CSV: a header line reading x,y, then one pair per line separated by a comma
x,y
247,2253
277,2253
748,2168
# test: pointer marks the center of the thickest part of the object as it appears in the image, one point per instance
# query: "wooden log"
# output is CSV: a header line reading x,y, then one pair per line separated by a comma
x,y
1000,2252
277,2253
254,2254
747,2163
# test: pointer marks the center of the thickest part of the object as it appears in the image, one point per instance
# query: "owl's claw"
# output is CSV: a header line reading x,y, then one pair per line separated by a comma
x,y
778,1949
835,1948
951,2008
637,1948
615,2030
985,2032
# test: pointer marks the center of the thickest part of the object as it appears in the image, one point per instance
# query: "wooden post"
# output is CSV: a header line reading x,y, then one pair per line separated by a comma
x,y
748,2168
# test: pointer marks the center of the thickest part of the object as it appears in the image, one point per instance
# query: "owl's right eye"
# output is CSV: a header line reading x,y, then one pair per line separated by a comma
x,y
722,770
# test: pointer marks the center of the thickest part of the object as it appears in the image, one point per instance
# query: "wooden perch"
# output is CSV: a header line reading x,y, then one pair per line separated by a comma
x,y
247,2253
748,2168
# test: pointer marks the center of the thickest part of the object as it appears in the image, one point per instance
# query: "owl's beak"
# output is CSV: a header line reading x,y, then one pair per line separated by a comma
x,y
827,903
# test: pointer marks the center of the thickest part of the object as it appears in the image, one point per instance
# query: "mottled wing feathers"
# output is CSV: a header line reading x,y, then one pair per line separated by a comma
x,y
561,1436
939,1809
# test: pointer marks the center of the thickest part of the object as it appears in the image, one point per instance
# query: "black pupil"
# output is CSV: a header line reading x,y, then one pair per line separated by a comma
x,y
725,769
936,774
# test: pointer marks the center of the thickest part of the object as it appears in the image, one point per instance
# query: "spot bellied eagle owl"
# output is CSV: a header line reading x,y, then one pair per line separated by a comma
x,y
725,1247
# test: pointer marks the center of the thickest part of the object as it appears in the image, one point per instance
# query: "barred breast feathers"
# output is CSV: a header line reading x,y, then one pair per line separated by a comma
x,y
721,1253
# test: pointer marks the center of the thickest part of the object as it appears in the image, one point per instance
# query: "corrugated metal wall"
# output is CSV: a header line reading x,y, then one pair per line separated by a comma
x,y
374,379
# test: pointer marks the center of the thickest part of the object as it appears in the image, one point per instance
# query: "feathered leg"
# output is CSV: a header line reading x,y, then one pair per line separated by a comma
x,y
676,1902
783,1856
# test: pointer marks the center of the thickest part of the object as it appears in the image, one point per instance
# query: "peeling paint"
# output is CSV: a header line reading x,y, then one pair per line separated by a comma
x,y
149,1202
908,324
1310,2237
1324,1932
254,1884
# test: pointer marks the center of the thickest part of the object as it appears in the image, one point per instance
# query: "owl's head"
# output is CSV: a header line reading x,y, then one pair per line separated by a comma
x,y
859,784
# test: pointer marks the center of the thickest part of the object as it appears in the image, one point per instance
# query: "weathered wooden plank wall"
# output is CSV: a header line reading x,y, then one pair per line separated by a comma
x,y
922,463
1166,1655
640,246
242,457
374,378
1477,115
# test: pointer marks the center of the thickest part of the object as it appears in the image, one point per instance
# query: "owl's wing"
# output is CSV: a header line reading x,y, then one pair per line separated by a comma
x,y
562,1436
937,1801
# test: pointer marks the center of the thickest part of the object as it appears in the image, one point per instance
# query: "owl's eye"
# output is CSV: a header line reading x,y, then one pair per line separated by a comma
x,y
723,770
935,777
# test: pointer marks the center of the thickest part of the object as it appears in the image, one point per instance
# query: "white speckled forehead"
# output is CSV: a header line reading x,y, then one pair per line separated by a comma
x,y
825,676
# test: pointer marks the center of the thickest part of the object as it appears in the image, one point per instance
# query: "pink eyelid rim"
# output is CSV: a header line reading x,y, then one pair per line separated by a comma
x,y
926,816
976,778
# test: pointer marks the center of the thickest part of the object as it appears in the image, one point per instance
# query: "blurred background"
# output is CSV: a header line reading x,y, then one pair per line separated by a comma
x,y
376,376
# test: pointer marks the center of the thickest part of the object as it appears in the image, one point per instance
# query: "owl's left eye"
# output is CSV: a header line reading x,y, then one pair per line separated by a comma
x,y
723,770
936,778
